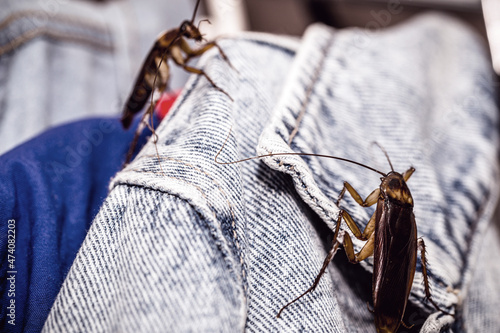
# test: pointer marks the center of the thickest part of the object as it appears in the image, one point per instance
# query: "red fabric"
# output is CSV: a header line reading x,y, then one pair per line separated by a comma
x,y
165,103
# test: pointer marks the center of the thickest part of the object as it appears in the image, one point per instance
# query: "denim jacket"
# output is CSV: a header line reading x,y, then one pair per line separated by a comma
x,y
184,244
63,60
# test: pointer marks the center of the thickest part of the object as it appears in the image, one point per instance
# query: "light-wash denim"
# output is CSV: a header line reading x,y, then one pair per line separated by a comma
x,y
183,244
62,60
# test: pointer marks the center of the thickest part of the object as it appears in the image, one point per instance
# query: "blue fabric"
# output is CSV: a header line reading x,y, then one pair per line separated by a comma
x,y
52,187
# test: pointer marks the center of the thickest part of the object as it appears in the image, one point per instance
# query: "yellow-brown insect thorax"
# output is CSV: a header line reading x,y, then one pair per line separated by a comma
x,y
394,187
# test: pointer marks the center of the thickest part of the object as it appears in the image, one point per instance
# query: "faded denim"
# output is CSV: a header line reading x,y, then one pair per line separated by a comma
x,y
183,244
62,60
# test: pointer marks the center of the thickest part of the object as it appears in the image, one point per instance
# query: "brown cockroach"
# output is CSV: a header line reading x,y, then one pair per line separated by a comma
x,y
391,237
155,72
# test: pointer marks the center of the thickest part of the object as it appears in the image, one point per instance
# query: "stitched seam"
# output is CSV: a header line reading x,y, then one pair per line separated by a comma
x,y
73,20
472,237
306,190
310,88
38,32
325,51
233,222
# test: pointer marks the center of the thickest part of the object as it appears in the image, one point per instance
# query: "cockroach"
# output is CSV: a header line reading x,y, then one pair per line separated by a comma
x,y
391,237
155,72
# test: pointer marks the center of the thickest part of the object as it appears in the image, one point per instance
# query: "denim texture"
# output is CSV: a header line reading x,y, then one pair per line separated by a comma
x,y
481,302
185,244
64,60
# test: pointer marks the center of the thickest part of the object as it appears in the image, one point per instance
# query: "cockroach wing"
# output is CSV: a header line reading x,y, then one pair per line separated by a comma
x,y
154,74
395,256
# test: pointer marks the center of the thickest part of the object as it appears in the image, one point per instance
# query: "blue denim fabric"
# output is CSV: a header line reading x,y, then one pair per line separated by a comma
x,y
64,60
52,187
481,303
184,244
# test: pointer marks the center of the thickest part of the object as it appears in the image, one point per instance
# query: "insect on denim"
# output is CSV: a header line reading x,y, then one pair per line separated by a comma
x,y
183,244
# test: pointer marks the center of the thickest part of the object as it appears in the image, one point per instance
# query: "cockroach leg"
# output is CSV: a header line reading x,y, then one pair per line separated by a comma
x,y
202,72
190,53
406,326
407,174
368,233
423,259
370,227
365,252
345,239
369,201
326,262
143,123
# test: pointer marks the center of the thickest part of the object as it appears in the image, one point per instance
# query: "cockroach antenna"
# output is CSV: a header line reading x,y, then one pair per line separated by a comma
x,y
293,154
385,153
195,10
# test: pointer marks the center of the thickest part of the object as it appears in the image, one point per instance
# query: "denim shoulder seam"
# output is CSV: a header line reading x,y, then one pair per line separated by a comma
x,y
325,49
476,232
76,29
207,202
63,18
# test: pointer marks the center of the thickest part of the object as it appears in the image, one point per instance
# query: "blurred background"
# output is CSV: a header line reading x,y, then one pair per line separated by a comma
x,y
291,17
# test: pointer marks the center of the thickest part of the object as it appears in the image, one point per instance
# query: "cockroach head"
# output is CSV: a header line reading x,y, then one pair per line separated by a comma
x,y
190,31
394,186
